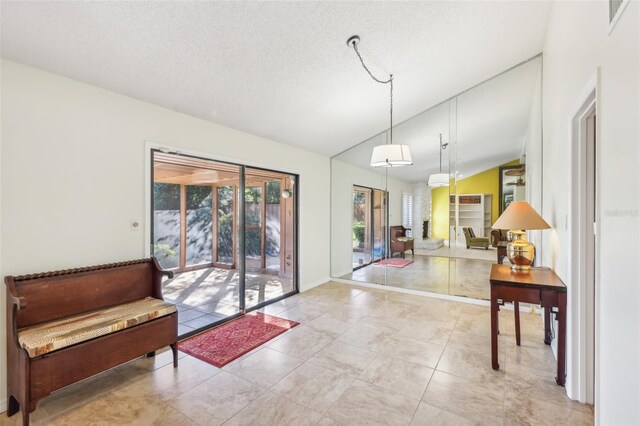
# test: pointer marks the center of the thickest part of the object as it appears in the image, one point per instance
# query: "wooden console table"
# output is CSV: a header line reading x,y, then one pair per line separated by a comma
x,y
540,286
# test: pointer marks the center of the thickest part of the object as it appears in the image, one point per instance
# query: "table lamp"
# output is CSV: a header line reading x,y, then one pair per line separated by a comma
x,y
518,218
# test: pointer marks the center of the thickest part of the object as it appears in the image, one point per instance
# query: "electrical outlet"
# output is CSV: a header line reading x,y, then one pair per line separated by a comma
x,y
135,225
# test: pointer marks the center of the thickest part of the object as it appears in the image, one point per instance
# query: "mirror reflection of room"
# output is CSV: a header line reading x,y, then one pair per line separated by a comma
x,y
473,155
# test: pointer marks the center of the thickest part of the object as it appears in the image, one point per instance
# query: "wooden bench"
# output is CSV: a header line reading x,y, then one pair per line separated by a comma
x,y
65,326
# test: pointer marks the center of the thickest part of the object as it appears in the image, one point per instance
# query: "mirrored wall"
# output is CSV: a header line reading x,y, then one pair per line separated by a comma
x,y
390,226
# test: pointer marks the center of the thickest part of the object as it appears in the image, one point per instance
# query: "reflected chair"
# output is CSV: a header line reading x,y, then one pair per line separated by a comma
x,y
473,241
498,235
399,241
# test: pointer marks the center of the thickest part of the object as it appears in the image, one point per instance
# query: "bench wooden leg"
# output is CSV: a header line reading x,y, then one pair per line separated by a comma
x,y
25,416
174,349
151,354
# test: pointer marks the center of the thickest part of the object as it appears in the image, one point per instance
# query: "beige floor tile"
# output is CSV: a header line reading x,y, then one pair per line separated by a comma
x,y
476,342
266,367
366,404
304,312
478,323
468,363
81,392
217,399
397,375
520,410
343,358
434,332
123,410
313,386
412,350
37,418
350,313
168,382
328,322
326,421
279,306
373,338
428,415
271,409
528,383
302,342
531,356
480,398
143,365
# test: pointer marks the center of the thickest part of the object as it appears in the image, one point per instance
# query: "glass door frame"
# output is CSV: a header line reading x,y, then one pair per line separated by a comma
x,y
240,243
385,226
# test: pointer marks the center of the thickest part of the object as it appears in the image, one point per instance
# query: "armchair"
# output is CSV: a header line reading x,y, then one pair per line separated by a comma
x,y
498,235
399,241
473,241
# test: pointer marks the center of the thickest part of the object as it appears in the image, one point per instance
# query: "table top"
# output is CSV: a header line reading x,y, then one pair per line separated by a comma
x,y
543,278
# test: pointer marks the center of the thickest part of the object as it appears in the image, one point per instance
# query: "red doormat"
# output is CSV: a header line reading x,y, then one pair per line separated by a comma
x,y
221,345
395,263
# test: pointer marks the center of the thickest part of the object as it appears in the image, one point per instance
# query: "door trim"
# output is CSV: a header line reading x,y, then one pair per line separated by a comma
x,y
584,369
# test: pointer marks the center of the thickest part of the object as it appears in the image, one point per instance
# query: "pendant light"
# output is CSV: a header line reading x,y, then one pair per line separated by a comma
x,y
389,154
440,179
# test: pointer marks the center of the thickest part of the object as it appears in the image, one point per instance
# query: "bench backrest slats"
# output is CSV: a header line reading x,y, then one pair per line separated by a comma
x,y
51,298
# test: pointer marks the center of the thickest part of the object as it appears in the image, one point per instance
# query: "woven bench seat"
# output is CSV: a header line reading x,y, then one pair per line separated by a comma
x,y
51,336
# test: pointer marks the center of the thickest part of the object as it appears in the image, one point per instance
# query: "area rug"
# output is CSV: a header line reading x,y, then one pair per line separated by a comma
x,y
395,263
221,345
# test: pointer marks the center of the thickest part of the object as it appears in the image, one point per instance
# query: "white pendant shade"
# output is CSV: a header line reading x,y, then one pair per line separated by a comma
x,y
439,179
391,155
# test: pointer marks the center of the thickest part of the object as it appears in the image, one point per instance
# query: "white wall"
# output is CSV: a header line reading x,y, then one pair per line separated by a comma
x,y
577,43
73,175
343,177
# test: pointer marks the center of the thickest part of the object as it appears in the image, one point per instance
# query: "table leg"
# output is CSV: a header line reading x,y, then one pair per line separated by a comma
x,y
547,326
562,337
494,328
516,311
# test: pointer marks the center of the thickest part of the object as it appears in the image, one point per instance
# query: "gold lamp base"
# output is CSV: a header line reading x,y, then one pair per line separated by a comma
x,y
520,252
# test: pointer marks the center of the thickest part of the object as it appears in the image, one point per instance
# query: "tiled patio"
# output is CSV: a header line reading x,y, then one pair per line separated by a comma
x,y
209,295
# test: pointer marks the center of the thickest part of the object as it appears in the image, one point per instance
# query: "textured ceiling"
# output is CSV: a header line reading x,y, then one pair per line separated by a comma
x,y
489,124
277,69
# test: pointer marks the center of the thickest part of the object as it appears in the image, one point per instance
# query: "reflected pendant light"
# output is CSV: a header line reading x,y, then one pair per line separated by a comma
x,y
390,154
440,179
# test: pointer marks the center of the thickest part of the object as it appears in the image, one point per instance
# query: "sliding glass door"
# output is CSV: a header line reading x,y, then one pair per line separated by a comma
x,y
270,216
227,231
369,220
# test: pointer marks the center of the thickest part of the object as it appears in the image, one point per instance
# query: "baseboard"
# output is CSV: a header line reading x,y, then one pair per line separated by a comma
x,y
414,292
316,283
524,308
3,406
343,273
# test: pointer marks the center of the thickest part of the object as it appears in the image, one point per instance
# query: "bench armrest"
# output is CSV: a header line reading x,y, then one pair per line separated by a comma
x,y
168,274
12,294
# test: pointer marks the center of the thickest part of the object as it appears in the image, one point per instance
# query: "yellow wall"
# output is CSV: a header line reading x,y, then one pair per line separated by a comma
x,y
440,212
486,182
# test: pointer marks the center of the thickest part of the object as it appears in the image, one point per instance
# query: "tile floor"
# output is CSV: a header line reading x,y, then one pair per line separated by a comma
x,y
209,295
457,277
361,357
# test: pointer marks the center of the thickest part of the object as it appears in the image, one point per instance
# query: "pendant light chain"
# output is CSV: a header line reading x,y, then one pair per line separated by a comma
x,y
389,81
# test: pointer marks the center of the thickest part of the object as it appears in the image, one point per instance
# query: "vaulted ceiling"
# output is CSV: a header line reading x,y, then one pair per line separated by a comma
x,y
280,70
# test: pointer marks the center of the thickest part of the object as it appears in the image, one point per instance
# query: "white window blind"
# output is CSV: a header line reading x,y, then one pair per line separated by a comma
x,y
407,210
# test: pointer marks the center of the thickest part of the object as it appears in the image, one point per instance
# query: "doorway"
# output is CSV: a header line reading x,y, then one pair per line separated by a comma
x,y
584,272
227,231
369,224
